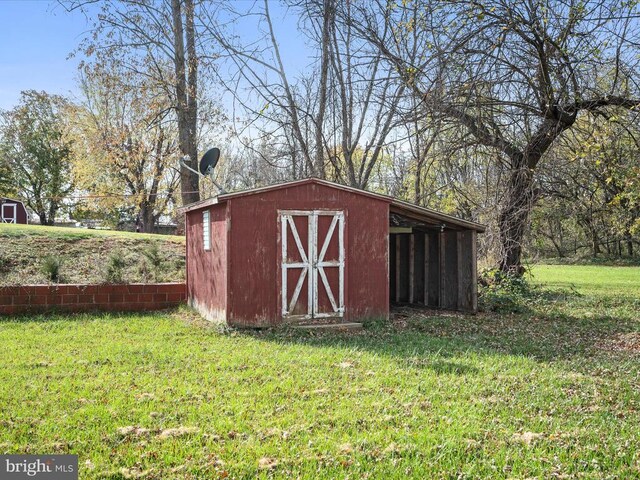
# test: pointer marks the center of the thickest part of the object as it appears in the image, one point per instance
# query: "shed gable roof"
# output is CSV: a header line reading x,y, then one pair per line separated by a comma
x,y
11,200
398,206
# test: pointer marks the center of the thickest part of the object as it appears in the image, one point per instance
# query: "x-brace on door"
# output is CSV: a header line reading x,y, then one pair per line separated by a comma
x,y
312,282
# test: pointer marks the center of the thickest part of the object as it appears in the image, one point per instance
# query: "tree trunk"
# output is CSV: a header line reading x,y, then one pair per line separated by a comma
x,y
595,242
513,220
148,219
628,239
327,12
189,184
43,218
417,184
192,96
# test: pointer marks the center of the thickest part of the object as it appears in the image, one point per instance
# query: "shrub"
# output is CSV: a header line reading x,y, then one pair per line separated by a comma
x,y
5,264
503,293
155,260
50,267
115,268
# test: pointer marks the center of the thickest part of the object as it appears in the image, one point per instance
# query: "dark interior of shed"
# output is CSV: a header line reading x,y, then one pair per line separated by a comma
x,y
430,264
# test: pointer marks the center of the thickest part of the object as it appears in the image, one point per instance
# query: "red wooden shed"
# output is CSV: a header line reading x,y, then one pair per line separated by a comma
x,y
312,251
12,211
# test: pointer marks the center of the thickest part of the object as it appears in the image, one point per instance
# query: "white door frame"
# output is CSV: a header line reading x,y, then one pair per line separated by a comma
x,y
312,263
14,219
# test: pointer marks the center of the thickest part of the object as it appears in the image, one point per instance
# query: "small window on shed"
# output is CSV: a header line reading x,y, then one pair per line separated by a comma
x,y
206,230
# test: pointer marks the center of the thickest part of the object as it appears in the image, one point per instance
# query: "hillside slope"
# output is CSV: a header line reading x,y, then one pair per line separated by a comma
x,y
86,254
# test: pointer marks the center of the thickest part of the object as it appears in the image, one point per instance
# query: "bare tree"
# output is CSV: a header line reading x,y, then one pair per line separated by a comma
x,y
367,99
333,118
259,68
515,76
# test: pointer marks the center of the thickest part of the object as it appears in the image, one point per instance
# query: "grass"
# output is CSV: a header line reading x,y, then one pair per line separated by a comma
x,y
84,254
590,280
9,230
551,393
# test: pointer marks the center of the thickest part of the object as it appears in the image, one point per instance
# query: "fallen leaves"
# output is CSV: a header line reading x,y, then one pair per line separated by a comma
x,y
133,431
145,396
274,432
622,342
177,432
527,437
346,448
134,472
392,448
267,463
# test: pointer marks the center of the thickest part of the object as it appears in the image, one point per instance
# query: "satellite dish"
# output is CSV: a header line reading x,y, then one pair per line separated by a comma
x,y
209,161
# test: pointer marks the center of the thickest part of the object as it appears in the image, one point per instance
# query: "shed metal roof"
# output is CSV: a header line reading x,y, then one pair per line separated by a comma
x,y
401,207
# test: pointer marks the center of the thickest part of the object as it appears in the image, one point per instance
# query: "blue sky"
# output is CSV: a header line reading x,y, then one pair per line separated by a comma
x,y
37,36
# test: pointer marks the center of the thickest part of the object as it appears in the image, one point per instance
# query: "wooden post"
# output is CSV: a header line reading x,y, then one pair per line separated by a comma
x,y
462,284
411,266
426,269
441,286
397,268
474,271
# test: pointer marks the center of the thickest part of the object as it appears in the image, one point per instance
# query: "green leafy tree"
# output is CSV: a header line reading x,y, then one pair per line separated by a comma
x,y
136,34
35,153
6,180
124,126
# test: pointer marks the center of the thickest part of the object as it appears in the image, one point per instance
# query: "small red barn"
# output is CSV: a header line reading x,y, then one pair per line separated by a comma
x,y
12,211
312,250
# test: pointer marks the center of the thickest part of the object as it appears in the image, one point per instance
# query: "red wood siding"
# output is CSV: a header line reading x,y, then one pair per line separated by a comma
x,y
81,298
240,280
21,212
254,252
207,269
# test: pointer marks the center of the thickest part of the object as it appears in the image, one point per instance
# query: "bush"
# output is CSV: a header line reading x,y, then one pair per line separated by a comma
x,y
115,268
155,260
503,293
5,264
50,267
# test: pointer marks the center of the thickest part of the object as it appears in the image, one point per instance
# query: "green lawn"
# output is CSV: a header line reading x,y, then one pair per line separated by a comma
x,y
552,393
68,233
592,280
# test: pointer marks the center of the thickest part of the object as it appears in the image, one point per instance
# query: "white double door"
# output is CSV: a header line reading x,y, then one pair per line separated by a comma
x,y
313,259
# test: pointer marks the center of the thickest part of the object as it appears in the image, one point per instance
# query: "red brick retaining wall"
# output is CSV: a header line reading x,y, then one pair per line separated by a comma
x,y
82,298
